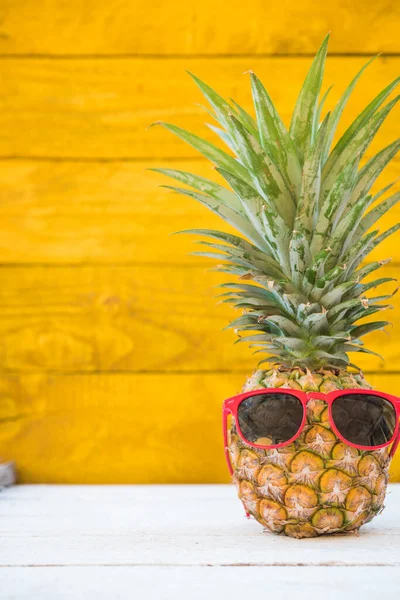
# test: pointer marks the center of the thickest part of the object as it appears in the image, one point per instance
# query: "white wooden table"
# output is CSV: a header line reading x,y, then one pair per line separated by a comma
x,y
175,542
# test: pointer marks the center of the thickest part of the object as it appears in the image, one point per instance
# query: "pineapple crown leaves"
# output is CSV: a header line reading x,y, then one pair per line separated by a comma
x,y
304,214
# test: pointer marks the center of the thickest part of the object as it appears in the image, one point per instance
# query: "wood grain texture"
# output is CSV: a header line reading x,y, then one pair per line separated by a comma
x,y
164,583
101,108
115,428
122,428
136,319
90,319
125,27
70,213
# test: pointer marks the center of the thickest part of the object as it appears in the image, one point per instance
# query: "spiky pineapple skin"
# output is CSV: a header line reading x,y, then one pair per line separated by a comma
x,y
316,485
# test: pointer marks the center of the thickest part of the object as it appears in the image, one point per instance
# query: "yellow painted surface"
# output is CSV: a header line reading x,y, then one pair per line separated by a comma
x,y
113,213
122,428
113,363
204,27
102,108
135,318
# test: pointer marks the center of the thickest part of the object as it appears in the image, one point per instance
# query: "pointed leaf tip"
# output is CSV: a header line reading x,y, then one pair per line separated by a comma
x,y
304,113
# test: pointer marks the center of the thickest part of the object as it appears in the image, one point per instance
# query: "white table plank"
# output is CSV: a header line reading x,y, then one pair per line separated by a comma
x,y
170,525
197,583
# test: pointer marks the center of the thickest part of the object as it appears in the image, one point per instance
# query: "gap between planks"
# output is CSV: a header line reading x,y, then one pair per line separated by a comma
x,y
199,56
120,265
332,564
157,372
122,159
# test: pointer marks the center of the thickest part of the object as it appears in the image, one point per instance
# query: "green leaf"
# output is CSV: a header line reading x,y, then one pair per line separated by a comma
x,y
221,107
274,136
259,339
356,146
307,103
378,240
223,110
239,221
360,313
342,237
339,359
243,321
375,214
333,205
357,253
269,295
246,119
318,115
338,110
316,269
371,171
351,348
360,330
214,154
292,345
248,249
359,124
303,310
310,184
362,288
235,260
327,281
300,258
271,359
370,268
337,310
265,176
225,137
333,297
206,186
245,273
316,324
269,224
287,327
327,341
241,271
256,261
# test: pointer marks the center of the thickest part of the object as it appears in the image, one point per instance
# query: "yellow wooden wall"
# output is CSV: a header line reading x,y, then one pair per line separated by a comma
x,y
113,363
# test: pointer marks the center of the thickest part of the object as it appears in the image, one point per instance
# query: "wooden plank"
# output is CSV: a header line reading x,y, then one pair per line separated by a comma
x,y
115,428
89,319
124,27
177,526
101,108
164,583
123,428
69,212
63,319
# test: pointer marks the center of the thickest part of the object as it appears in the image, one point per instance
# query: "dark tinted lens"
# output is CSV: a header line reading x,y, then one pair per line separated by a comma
x,y
364,419
270,419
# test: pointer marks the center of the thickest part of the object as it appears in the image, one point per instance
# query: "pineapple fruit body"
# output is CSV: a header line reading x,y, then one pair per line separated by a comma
x,y
316,485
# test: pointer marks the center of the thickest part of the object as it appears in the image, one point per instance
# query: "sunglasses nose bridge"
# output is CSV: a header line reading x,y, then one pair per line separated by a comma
x,y
316,396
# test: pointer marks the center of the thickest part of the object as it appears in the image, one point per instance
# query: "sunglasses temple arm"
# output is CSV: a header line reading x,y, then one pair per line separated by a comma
x,y
395,444
225,430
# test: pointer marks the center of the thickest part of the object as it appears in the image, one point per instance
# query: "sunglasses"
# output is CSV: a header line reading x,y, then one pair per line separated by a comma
x,y
275,417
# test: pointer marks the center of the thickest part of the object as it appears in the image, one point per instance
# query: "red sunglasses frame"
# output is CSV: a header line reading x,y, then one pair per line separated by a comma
x,y
231,405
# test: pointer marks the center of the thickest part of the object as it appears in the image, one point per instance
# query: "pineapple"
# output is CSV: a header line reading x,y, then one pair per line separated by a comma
x,y
305,218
